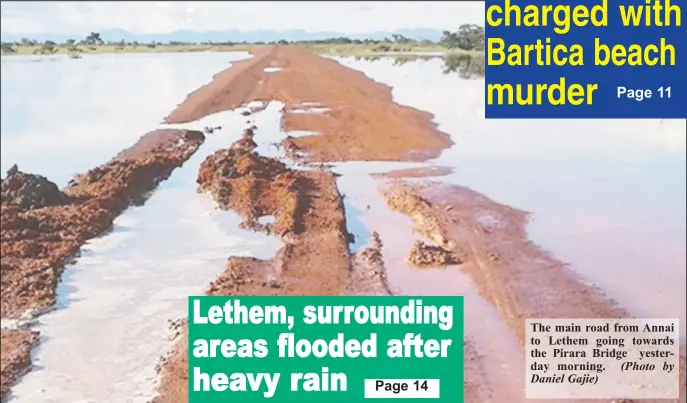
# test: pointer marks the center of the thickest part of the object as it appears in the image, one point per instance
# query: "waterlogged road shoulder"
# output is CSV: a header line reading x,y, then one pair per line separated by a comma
x,y
65,116
608,197
365,231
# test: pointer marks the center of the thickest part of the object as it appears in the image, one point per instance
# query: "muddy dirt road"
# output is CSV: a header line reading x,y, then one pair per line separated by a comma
x,y
514,276
483,244
383,131
44,227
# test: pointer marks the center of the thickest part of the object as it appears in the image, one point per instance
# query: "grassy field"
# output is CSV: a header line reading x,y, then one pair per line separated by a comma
x,y
362,50
337,49
84,49
379,49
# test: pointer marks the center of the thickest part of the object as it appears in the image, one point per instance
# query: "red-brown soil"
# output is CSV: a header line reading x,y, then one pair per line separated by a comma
x,y
15,355
517,277
309,218
363,123
43,227
315,259
424,255
307,207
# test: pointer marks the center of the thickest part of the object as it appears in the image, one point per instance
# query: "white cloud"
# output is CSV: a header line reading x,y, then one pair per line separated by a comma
x,y
158,17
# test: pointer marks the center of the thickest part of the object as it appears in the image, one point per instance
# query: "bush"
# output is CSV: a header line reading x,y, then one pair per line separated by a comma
x,y
468,37
8,48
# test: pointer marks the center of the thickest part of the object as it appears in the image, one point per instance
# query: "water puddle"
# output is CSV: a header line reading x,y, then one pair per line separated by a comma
x,y
310,110
272,69
362,201
367,211
619,183
115,302
48,128
266,220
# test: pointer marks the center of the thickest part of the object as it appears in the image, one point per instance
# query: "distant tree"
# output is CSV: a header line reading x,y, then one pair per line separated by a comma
x,y
283,42
48,48
468,37
94,39
7,48
471,37
400,38
74,49
28,42
449,39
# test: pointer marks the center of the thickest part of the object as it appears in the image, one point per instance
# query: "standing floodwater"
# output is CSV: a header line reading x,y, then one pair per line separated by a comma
x,y
115,302
64,116
607,196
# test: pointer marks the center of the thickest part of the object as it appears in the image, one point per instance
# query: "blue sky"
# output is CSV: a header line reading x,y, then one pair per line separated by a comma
x,y
161,16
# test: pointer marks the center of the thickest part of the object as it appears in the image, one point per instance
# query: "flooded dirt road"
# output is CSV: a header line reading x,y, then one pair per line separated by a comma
x,y
341,189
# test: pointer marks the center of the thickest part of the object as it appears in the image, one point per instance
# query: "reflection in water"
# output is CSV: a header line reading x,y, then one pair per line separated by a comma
x,y
465,64
115,301
606,196
65,116
397,59
121,292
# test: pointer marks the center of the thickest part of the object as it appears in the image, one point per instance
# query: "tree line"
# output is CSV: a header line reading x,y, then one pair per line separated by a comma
x,y
51,47
468,37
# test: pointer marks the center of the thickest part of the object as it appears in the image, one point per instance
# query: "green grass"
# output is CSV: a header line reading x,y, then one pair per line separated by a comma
x,y
85,49
366,50
467,65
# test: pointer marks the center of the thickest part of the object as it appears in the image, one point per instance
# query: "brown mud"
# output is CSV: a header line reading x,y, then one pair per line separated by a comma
x,y
309,218
363,122
44,227
513,274
488,239
15,356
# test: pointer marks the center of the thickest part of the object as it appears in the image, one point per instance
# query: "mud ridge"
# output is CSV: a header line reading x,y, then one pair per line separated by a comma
x,y
15,349
368,277
255,186
309,218
506,263
368,274
43,227
423,255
